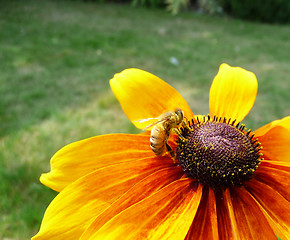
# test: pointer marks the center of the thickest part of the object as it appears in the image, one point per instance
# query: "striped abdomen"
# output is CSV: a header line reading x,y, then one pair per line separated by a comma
x,y
158,139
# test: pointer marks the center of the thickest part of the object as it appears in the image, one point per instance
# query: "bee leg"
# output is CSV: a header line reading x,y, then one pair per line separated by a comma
x,y
178,132
169,149
172,154
185,125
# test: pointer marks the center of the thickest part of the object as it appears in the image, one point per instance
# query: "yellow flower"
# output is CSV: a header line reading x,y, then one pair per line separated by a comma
x,y
226,182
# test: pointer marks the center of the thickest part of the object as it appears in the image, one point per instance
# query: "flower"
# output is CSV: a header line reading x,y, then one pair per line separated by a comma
x,y
224,182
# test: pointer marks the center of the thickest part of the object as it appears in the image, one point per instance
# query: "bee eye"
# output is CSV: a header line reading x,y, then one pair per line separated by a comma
x,y
180,113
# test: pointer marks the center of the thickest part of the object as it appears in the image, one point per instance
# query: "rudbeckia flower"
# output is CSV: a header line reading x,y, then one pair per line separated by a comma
x,y
222,181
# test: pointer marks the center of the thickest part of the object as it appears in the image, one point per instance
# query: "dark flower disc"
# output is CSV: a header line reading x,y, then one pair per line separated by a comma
x,y
218,153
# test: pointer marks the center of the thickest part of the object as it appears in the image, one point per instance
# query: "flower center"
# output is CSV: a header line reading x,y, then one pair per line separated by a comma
x,y
218,153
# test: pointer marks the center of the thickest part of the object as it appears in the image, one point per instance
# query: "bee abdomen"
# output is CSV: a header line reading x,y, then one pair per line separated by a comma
x,y
157,150
157,141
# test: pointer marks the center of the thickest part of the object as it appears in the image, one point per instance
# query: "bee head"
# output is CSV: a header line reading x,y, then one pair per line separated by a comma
x,y
179,115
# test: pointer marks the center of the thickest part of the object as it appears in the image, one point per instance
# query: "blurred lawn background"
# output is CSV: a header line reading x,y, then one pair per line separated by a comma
x,y
56,59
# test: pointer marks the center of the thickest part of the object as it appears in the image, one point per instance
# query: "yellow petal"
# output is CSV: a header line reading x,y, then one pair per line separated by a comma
x,y
80,158
232,93
142,95
275,140
167,214
70,213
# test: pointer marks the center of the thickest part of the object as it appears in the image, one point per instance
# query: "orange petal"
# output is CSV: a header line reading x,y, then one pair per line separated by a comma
x,y
246,217
167,214
275,176
274,164
284,122
70,213
275,207
80,158
142,95
275,139
205,224
141,190
232,93
225,228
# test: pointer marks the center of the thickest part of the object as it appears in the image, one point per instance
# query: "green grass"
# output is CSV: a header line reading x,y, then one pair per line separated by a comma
x,y
56,58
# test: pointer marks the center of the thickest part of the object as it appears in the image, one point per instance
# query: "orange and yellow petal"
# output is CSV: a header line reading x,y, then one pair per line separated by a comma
x,y
80,158
232,93
275,139
138,192
284,122
225,228
247,219
167,214
205,225
276,176
143,95
70,213
274,206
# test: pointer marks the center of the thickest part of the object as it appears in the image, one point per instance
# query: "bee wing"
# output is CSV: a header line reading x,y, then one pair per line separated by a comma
x,y
150,121
162,118
145,120
152,124
159,120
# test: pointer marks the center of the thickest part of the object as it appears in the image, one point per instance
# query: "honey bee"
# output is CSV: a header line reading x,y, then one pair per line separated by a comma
x,y
164,126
